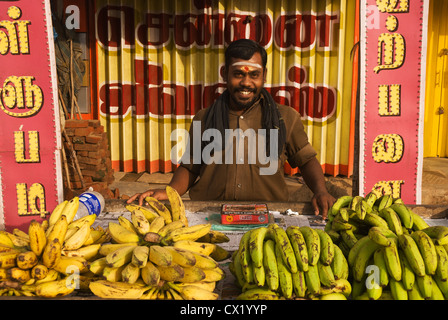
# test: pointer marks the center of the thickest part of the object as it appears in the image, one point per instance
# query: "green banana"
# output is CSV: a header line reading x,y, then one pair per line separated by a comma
x,y
405,215
348,237
375,220
442,263
259,294
408,276
244,249
439,234
384,201
312,280
339,264
427,250
378,235
312,240
326,275
397,289
393,220
286,249
256,240
371,198
237,269
412,253
270,265
299,284
356,248
299,246
443,285
414,294
284,274
418,222
363,256
437,293
424,284
326,247
259,275
392,259
380,262
340,202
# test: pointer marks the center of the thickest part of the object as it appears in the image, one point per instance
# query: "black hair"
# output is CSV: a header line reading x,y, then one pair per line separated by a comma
x,y
244,49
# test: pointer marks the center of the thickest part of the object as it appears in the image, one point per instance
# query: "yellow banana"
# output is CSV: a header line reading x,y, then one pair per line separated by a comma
x,y
173,272
57,212
203,261
200,247
149,213
427,250
219,254
78,239
120,257
52,253
213,275
126,223
312,244
111,247
157,224
97,237
424,284
407,219
270,265
70,265
397,289
210,286
187,233
414,294
97,266
299,246
27,260
52,275
439,234
141,224
442,263
70,209
89,219
58,229
160,256
412,253
39,272
121,235
326,247
192,275
167,228
18,241
443,285
150,274
140,256
214,236
38,239
392,260
19,275
56,288
437,293
256,239
130,273
182,257
117,290
192,292
177,205
113,274
87,252
160,208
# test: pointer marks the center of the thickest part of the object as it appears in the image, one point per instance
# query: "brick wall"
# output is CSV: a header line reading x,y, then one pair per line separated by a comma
x,y
90,145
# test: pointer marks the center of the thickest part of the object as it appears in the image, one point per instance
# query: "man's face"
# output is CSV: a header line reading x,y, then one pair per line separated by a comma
x,y
245,79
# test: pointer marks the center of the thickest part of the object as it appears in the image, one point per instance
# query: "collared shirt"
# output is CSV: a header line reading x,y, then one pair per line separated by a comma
x,y
237,177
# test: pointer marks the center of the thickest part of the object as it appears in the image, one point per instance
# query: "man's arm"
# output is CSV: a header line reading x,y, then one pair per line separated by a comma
x,y
182,180
314,178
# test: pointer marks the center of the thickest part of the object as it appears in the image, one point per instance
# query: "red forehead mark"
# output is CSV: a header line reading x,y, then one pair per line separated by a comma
x,y
246,69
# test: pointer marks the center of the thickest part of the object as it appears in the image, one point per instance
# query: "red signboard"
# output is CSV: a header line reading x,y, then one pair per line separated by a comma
x,y
30,170
393,40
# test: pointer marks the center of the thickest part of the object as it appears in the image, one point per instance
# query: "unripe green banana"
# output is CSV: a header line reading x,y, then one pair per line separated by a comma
x,y
326,275
286,249
427,250
424,284
380,262
256,240
259,275
393,220
377,235
439,234
299,284
312,280
392,259
270,265
356,248
436,292
326,247
363,256
340,202
348,237
397,290
285,276
405,215
375,220
408,276
418,222
412,253
443,285
312,240
442,263
237,270
299,246
339,264
414,294
384,201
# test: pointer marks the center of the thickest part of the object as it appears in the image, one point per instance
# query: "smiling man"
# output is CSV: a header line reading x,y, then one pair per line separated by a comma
x,y
245,121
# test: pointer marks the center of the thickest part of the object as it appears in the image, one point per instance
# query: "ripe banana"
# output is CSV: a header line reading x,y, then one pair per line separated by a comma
x,y
117,290
203,261
38,239
160,256
97,266
326,247
182,257
299,246
52,253
58,229
69,265
427,250
140,256
70,209
57,212
87,252
157,224
160,208
113,274
219,254
78,239
407,219
150,274
167,228
177,205
120,256
200,247
130,273
256,239
412,253
127,224
111,247
39,272
5,240
121,235
187,233
213,275
140,223
27,260
193,275
414,294
149,213
191,292
312,240
19,275
56,288
89,219
439,234
214,236
173,272
270,264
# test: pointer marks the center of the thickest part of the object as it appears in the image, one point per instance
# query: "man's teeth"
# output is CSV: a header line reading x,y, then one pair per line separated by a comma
x,y
245,92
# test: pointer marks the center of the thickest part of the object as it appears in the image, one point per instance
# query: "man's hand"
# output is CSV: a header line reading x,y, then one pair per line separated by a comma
x,y
159,194
321,203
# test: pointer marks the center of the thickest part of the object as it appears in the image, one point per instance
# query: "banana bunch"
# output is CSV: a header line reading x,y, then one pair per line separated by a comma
x,y
39,262
297,263
391,251
156,254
